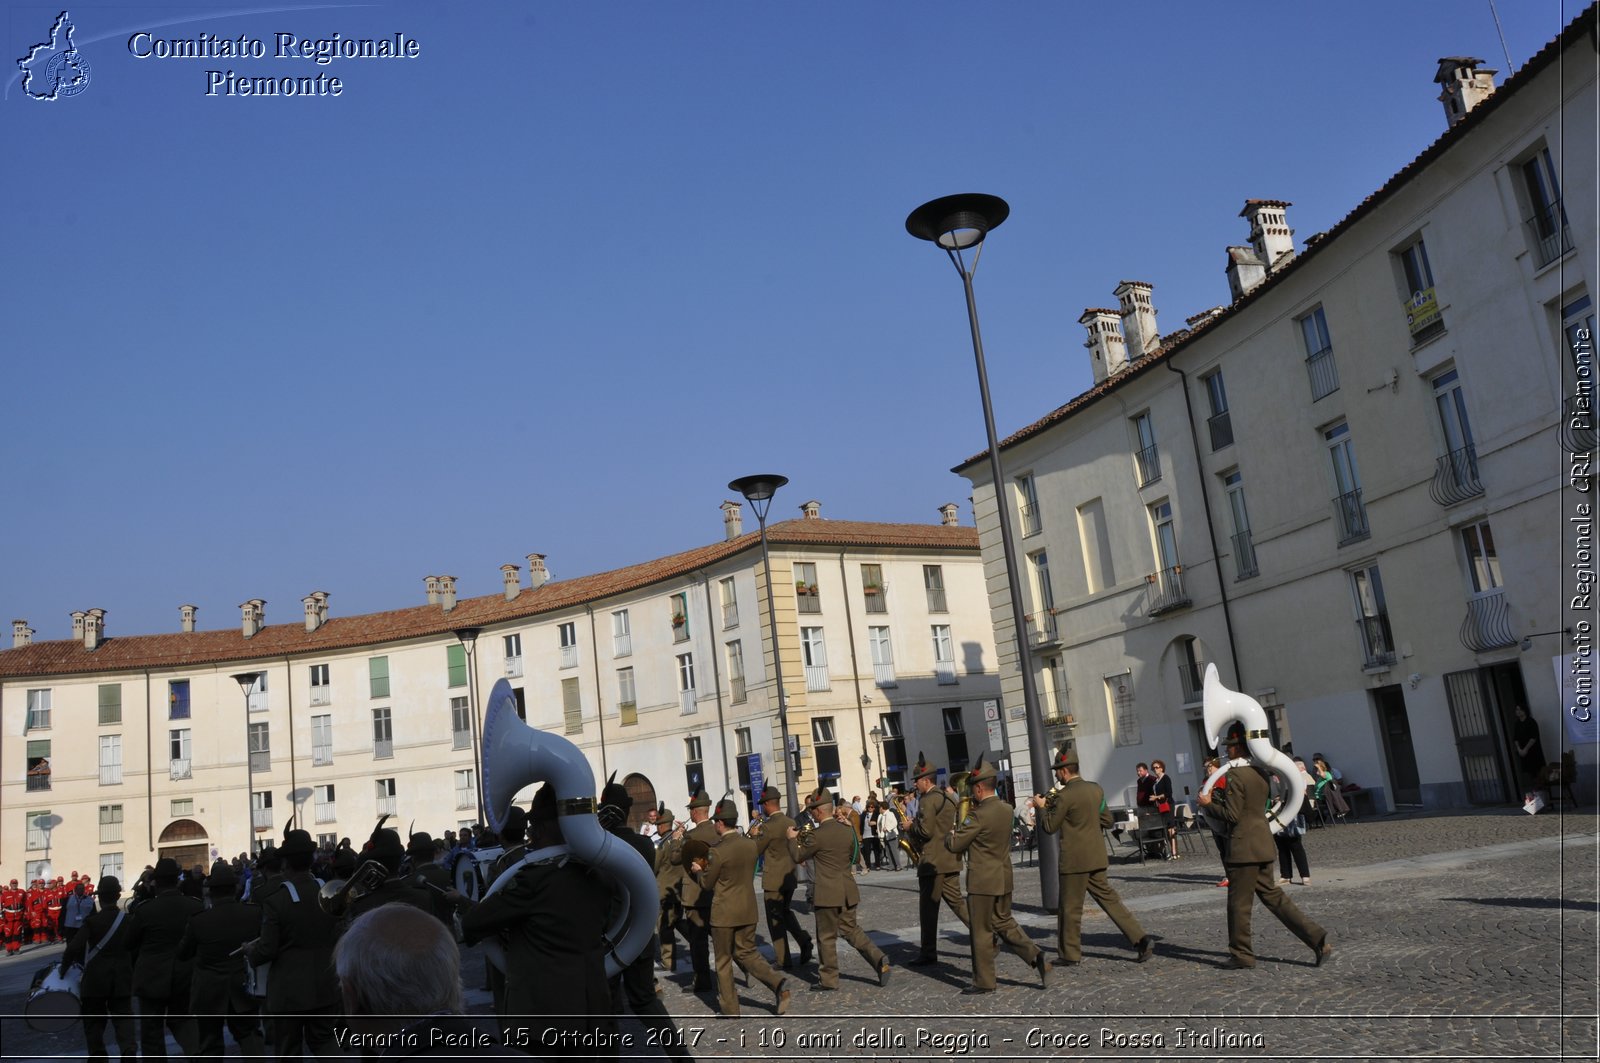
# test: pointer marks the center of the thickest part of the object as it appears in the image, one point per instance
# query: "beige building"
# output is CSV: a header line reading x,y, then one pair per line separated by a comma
x,y
117,750
1361,489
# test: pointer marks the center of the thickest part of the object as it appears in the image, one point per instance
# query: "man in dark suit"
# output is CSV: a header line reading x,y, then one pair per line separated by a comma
x,y
160,978
697,896
212,942
1250,855
104,947
778,880
1076,809
938,869
985,836
828,847
297,939
728,874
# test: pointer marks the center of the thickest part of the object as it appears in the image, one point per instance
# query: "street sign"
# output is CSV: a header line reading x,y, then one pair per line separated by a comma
x,y
991,710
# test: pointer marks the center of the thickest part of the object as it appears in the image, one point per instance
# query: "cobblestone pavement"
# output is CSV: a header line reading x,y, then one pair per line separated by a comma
x,y
1456,936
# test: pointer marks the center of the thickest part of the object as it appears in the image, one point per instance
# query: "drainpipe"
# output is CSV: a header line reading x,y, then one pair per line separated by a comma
x,y
729,777
855,670
1211,531
599,705
149,773
288,686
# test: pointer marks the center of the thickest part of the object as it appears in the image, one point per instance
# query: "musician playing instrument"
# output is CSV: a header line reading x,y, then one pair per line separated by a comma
x,y
727,872
938,869
217,990
695,923
160,978
778,880
828,846
104,947
297,939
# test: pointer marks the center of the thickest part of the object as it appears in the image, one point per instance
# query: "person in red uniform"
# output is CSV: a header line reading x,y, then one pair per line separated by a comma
x,y
55,901
38,903
13,916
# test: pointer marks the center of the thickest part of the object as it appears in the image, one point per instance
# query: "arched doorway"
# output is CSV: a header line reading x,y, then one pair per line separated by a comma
x,y
185,841
643,793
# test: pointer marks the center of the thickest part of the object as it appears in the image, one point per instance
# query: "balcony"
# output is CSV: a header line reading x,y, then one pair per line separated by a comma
x,y
1244,556
261,818
465,799
883,675
1351,517
1166,591
40,780
326,812
730,615
461,739
1221,425
1148,463
680,629
1043,631
1456,477
622,645
872,594
1323,373
179,769
1377,643
388,806
1423,316
1487,625
686,703
627,713
321,695
1030,520
806,599
817,677
945,672
736,691
110,774
936,600
321,755
260,761
513,667
1578,435
383,750
569,656
1548,234
1192,681
257,700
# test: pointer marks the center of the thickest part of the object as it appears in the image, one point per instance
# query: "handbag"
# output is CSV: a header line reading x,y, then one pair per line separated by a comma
x,y
1164,807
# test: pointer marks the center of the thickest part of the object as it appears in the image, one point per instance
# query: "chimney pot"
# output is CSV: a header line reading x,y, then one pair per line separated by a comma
x,y
1270,235
732,520
432,584
252,616
186,615
78,617
1138,318
811,510
1245,271
21,634
313,621
447,592
94,629
538,575
948,514
1464,86
511,576
1108,352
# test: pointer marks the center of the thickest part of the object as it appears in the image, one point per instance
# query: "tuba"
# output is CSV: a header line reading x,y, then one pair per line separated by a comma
x,y
516,755
1223,706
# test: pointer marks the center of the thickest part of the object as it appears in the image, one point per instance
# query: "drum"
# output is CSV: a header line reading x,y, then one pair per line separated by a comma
x,y
471,873
53,999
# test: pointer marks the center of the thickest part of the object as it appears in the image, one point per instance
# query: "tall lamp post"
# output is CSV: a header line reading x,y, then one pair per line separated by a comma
x,y
958,224
247,682
468,636
877,743
758,491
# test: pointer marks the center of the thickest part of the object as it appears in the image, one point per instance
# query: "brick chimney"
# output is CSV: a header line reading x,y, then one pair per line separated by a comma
x,y
732,520
811,510
511,576
1270,235
1464,86
538,575
447,592
432,585
186,615
948,514
21,634
252,616
1245,271
1138,319
1108,352
94,628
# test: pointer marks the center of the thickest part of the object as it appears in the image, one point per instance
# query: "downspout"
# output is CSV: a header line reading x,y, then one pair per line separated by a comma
x,y
149,771
294,790
855,671
599,706
728,775
1211,531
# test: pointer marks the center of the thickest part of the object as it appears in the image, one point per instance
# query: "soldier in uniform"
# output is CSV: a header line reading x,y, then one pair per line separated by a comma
x,y
938,869
828,846
297,939
669,883
384,847
1077,811
985,836
696,896
160,978
1250,855
421,850
778,881
217,990
727,872
105,949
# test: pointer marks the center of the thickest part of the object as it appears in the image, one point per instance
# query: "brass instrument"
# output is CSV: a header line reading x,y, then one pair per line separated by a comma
x,y
336,894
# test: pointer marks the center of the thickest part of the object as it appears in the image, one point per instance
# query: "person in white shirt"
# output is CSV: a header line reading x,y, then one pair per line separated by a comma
x,y
889,834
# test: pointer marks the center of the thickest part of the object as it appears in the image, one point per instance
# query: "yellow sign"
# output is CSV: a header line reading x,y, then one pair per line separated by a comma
x,y
1422,310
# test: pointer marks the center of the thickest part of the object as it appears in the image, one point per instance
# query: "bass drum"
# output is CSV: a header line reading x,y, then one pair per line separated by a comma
x,y
471,873
53,999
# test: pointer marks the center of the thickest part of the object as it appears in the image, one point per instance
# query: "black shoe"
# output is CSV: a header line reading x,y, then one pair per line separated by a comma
x,y
1042,965
924,961
703,987
883,973
1146,947
1234,963
1066,963
972,991
1324,953
820,988
805,953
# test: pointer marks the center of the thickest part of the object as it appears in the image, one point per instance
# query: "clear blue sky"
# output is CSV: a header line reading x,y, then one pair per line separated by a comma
x,y
550,285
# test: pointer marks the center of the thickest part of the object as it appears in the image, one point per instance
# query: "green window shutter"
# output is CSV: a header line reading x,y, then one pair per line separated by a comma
x,y
378,669
571,706
456,660
111,703
38,749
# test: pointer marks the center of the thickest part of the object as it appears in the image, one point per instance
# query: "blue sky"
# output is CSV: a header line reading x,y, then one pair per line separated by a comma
x,y
548,286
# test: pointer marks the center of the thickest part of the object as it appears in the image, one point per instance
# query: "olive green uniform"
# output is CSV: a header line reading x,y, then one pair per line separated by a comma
x,y
778,882
1250,855
834,896
985,836
939,870
696,921
729,880
1077,811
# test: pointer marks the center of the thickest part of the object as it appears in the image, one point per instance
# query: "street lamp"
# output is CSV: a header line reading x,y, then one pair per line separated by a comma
x,y
468,637
958,224
758,491
877,743
247,682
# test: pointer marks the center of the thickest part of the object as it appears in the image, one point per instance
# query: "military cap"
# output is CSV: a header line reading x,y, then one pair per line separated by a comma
x,y
616,794
1066,757
386,845
982,771
727,812
421,844
923,770
770,793
701,799
166,868
664,815
344,863
515,826
109,887
221,876
296,842
1235,735
821,797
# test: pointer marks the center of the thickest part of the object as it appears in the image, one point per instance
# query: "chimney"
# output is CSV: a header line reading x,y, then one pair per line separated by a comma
x,y
1245,271
1107,350
732,520
432,583
94,628
948,514
1270,234
538,575
511,576
316,604
1464,86
77,625
447,592
21,634
186,614
1138,319
811,510
252,616
322,606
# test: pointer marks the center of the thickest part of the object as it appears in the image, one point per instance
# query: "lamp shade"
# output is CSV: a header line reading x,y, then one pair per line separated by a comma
x,y
957,222
758,488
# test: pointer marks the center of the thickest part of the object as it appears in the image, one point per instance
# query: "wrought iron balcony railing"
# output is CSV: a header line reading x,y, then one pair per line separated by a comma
x,y
1323,372
1193,681
1148,462
1456,477
1487,625
1549,234
1377,643
1030,520
1244,556
1166,590
1351,516
1221,425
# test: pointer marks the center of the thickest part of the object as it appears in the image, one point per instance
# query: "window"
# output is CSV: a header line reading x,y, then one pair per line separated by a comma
x,y
1166,537
178,699
1547,221
1320,367
567,635
39,824
466,789
110,824
742,742
807,597
110,864
1146,456
513,654
1121,711
110,760
572,706
730,602
894,746
256,697
522,702
686,696
1244,549
679,607
261,809
882,657
1191,671
627,697
933,583
382,734
110,703
827,749
178,748
694,772
1044,613
1372,618
326,808
321,688
38,710
1483,564
1053,692
955,738
944,655
1456,477
181,807
1421,302
872,589
1028,505
1098,570
260,748
39,764
328,842
736,688
1166,582
321,740
621,634
1220,423
460,724
1347,505
815,655
388,803
455,662
378,676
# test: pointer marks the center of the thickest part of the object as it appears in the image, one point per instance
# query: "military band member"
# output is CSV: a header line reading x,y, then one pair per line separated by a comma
x,y
778,881
1250,855
727,874
217,990
297,939
422,852
669,883
828,847
938,869
160,979
985,836
105,949
1077,811
697,896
